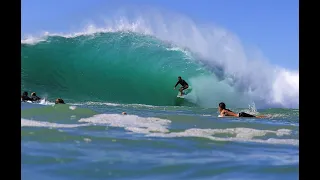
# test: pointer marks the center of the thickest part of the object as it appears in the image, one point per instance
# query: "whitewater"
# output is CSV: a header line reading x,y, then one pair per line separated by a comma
x,y
131,64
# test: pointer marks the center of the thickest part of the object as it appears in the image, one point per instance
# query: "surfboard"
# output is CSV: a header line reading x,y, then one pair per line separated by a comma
x,y
185,92
179,96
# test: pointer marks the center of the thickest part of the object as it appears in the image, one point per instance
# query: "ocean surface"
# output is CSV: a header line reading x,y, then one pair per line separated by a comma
x,y
104,72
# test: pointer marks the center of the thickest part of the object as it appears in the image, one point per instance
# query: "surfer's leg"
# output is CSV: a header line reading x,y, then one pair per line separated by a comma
x,y
184,88
181,89
261,116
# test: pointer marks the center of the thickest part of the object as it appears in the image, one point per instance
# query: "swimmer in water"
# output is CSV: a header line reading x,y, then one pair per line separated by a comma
x,y
59,101
227,112
34,97
25,97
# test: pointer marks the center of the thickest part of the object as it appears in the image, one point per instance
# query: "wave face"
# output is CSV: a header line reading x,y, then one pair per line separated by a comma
x,y
135,62
116,67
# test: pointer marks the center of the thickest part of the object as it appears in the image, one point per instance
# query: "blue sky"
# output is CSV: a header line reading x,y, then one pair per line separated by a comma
x,y
270,25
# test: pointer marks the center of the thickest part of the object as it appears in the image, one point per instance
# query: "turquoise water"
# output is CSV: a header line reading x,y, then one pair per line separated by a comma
x,y
163,137
113,67
128,67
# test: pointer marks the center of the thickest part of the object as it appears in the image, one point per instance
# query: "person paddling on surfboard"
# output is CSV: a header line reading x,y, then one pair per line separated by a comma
x,y
227,112
183,83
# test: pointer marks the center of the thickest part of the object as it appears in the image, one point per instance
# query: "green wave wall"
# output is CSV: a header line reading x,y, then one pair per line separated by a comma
x,y
120,67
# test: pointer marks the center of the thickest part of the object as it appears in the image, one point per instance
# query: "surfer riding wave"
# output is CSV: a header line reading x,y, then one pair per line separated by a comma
x,y
183,83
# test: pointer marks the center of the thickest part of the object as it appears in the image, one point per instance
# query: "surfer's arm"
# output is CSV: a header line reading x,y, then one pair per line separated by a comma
x,y
222,114
176,84
232,114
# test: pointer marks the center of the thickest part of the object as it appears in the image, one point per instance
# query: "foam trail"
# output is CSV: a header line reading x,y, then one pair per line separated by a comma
x,y
32,123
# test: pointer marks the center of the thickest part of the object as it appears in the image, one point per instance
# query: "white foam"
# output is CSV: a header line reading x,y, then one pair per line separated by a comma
x,y
241,135
45,102
73,107
33,40
32,123
42,102
156,127
130,122
286,88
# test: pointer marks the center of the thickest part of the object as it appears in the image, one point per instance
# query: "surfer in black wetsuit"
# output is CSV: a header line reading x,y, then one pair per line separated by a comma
x,y
34,97
59,101
227,112
184,85
25,97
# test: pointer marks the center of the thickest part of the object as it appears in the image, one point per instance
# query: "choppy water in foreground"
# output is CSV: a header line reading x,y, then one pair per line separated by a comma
x,y
94,141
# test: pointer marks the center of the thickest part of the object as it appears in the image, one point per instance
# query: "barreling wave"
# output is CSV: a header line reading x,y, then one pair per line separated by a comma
x,y
116,67
139,62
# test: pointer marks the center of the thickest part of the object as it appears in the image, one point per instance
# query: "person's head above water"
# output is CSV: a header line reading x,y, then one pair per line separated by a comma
x,y
33,94
59,101
25,93
222,106
179,78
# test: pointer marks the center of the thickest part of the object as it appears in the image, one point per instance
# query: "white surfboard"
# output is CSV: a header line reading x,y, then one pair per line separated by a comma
x,y
185,92
179,96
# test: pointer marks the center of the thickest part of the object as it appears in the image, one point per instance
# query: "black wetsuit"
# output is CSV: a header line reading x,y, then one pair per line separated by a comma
x,y
35,98
26,98
242,114
182,82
